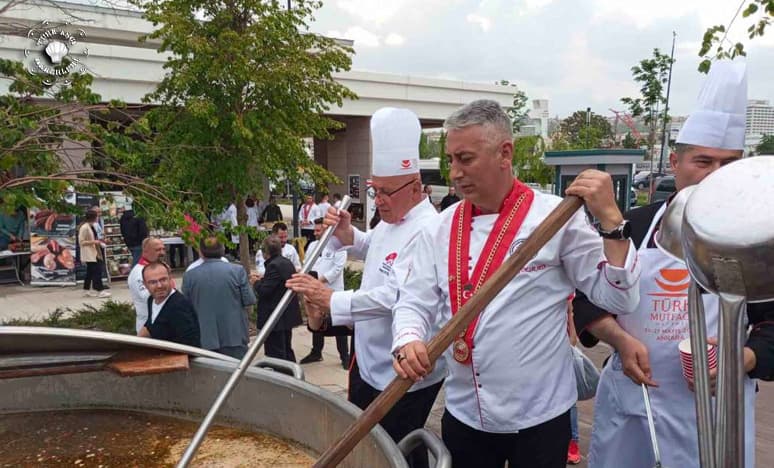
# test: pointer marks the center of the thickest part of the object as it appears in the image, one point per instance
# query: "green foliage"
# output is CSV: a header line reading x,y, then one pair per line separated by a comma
x,y
34,132
518,110
443,160
576,134
652,75
352,278
714,40
42,123
242,91
429,148
111,316
528,160
629,141
766,145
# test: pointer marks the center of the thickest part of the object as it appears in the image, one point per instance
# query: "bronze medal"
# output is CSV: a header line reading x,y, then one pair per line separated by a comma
x,y
461,351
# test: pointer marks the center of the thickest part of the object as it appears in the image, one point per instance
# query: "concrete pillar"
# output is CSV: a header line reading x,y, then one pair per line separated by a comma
x,y
349,153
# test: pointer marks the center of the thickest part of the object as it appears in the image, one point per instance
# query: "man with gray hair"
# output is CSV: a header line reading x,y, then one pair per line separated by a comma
x,y
510,386
220,292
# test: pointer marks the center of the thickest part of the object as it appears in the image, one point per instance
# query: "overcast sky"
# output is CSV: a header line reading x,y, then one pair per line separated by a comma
x,y
576,53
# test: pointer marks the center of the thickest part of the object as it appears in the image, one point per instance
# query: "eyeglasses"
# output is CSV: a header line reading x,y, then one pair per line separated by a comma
x,y
373,193
158,281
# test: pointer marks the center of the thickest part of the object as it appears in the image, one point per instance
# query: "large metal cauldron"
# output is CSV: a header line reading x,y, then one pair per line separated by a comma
x,y
264,400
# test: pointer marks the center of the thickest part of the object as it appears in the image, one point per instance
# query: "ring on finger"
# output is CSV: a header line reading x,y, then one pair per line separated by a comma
x,y
399,357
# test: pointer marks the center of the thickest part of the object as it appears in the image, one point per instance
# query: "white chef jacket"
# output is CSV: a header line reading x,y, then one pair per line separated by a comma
x,y
369,308
521,373
322,209
288,251
139,296
330,266
252,215
309,223
230,215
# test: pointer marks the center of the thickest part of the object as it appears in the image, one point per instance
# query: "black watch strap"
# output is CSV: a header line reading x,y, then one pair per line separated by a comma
x,y
621,232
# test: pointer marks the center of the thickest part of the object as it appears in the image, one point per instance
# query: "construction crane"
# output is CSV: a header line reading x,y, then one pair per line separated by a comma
x,y
628,121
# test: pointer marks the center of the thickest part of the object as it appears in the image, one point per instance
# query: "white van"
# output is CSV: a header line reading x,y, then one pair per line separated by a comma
x,y
430,171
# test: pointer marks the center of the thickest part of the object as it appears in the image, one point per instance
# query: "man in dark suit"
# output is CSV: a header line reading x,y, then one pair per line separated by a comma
x,y
171,316
270,290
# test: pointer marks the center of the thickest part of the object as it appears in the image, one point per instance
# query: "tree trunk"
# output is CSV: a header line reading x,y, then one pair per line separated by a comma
x,y
244,240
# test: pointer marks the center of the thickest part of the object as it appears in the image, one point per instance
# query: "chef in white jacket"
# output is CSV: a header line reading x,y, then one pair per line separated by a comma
x,y
511,383
397,192
288,251
646,342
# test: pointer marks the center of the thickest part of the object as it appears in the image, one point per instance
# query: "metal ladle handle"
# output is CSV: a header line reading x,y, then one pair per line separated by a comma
x,y
651,426
705,424
310,259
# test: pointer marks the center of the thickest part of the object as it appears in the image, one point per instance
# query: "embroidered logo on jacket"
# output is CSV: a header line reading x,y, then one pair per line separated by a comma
x,y
389,260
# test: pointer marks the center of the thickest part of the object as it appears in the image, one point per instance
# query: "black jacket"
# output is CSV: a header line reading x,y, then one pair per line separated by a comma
x,y
176,322
133,229
448,201
269,291
270,214
760,315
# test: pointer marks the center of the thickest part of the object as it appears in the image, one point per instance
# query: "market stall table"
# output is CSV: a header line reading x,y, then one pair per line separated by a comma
x,y
15,264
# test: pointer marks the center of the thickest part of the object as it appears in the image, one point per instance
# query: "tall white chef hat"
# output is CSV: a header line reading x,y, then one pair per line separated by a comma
x,y
394,142
718,120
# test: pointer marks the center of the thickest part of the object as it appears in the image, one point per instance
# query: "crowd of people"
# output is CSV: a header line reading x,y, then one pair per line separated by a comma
x,y
509,378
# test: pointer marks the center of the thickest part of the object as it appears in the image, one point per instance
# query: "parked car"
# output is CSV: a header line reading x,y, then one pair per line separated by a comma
x,y
665,187
641,180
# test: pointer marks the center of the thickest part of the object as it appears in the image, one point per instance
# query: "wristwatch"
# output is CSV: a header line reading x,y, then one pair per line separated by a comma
x,y
621,232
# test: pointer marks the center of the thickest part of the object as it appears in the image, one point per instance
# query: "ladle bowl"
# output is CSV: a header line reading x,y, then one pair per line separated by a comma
x,y
728,230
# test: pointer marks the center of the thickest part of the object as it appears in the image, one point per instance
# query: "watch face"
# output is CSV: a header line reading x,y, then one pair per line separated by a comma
x,y
626,232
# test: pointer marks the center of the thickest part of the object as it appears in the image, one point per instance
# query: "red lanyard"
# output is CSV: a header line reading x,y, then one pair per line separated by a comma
x,y
512,213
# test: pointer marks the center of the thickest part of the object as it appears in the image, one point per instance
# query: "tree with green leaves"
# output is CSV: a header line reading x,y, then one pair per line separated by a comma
x,y
579,135
714,44
629,141
47,137
651,74
518,111
766,146
245,84
528,160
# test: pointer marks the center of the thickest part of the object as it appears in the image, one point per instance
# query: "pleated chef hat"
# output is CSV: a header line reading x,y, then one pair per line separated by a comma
x,y
394,142
718,120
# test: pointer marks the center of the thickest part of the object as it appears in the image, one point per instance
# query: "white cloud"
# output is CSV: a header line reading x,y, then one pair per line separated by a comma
x,y
361,36
482,21
575,53
394,39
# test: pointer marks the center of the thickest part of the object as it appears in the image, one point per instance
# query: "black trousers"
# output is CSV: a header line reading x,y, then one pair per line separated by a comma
x,y
277,345
541,446
318,342
408,414
93,276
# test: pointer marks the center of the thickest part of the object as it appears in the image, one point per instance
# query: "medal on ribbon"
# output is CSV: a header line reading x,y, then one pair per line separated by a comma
x,y
511,216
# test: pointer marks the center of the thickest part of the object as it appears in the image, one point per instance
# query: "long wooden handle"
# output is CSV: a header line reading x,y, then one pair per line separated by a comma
x,y
399,386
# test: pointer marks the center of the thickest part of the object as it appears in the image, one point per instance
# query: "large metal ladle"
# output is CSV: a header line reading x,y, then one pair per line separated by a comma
x,y
728,242
669,240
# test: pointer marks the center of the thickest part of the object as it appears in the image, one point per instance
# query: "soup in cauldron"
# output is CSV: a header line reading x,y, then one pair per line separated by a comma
x,y
106,438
